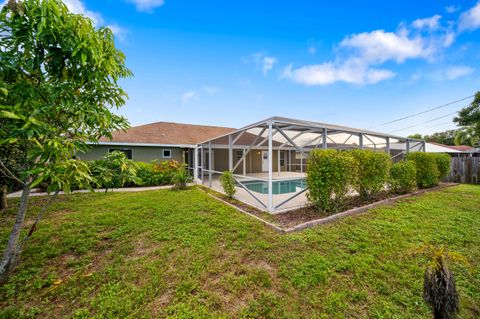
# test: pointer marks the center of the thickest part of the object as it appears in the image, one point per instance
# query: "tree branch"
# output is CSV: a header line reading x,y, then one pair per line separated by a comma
x,y
37,220
8,173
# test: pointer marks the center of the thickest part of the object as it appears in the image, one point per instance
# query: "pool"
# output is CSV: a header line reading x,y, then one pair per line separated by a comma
x,y
279,187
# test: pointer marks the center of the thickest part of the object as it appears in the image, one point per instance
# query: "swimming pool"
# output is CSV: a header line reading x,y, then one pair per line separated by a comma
x,y
279,187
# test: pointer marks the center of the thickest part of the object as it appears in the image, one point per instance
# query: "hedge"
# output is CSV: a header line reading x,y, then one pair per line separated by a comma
x,y
329,177
372,172
403,177
427,170
443,164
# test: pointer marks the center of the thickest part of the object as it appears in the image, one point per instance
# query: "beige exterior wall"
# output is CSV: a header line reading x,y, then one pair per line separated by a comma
x,y
139,153
253,161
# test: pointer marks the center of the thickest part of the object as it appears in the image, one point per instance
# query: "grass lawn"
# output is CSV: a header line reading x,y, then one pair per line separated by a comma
x,y
185,255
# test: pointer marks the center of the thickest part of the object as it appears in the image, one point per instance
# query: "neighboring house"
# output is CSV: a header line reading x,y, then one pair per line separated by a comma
x,y
156,141
453,150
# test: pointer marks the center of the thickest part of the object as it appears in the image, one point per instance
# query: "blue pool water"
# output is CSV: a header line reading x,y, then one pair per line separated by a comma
x,y
279,187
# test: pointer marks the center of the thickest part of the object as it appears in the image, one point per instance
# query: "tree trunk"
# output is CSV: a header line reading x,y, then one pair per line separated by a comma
x,y
3,196
11,252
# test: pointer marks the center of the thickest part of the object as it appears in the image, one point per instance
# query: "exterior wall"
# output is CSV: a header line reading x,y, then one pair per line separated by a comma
x,y
253,161
139,153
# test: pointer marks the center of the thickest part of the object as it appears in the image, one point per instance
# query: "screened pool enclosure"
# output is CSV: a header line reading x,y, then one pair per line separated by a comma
x,y
268,158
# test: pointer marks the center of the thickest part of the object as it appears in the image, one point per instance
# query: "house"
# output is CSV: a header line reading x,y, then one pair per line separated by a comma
x,y
453,150
156,141
267,158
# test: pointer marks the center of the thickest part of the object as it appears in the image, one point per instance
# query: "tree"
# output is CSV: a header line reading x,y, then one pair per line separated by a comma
x,y
416,135
446,137
469,117
58,86
466,136
10,155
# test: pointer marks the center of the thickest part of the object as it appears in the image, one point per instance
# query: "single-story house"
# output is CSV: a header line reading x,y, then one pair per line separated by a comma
x,y
453,150
156,142
267,158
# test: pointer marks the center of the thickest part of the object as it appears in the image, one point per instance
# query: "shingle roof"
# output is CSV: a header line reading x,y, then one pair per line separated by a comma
x,y
167,133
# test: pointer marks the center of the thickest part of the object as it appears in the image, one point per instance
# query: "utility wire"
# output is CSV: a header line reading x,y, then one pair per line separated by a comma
x,y
437,118
423,112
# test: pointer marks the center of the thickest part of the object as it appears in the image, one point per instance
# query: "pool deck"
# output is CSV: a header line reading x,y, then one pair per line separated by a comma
x,y
244,196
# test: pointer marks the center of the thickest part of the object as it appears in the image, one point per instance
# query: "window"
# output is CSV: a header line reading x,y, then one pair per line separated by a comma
x,y
166,153
126,151
282,158
238,155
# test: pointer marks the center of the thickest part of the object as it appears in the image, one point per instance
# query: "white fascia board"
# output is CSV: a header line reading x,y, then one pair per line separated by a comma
x,y
142,144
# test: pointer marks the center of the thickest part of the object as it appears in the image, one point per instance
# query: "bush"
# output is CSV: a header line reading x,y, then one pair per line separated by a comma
x,y
443,164
427,171
228,183
114,171
329,176
372,172
403,177
150,176
180,178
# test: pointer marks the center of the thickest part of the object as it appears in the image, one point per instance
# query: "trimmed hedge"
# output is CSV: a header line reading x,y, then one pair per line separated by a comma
x,y
329,176
427,170
372,172
156,174
403,177
443,164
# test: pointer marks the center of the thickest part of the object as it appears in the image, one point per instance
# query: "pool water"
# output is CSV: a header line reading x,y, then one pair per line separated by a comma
x,y
279,187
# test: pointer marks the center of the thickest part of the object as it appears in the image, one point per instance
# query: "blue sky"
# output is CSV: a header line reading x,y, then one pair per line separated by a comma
x,y
354,63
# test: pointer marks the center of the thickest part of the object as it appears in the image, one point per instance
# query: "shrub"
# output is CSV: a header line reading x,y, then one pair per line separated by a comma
x,y
329,176
114,171
180,178
403,177
427,171
150,176
372,172
228,183
443,164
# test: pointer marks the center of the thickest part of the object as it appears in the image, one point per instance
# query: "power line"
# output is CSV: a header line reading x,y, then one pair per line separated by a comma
x,y
423,112
437,118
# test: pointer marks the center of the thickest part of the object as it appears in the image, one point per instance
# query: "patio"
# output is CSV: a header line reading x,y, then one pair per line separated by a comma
x,y
268,158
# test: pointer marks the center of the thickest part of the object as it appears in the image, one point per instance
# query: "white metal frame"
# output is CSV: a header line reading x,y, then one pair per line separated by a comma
x,y
277,139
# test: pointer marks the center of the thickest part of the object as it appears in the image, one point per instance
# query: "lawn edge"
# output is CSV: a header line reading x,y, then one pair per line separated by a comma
x,y
331,218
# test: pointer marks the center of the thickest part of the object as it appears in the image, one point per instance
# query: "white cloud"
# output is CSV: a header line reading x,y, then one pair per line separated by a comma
x,y
470,19
379,46
456,72
351,71
118,31
77,6
147,5
431,23
188,97
452,8
266,62
211,90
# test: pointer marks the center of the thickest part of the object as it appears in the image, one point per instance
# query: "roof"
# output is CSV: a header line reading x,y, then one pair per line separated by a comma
x,y
460,148
166,133
431,147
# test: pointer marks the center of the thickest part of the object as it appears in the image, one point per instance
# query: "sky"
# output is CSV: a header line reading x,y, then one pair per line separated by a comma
x,y
353,63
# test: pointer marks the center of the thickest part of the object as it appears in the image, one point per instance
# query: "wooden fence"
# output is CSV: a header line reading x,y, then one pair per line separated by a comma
x,y
465,170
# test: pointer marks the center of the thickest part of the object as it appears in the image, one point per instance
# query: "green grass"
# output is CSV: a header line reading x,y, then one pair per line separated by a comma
x,y
185,255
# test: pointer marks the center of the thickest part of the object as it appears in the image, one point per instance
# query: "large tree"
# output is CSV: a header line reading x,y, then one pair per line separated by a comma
x,y
58,87
469,118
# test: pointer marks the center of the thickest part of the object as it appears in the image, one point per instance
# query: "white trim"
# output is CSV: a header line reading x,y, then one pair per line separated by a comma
x,y
142,144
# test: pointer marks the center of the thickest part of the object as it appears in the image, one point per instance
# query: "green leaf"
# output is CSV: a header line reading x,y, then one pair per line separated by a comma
x,y
8,114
